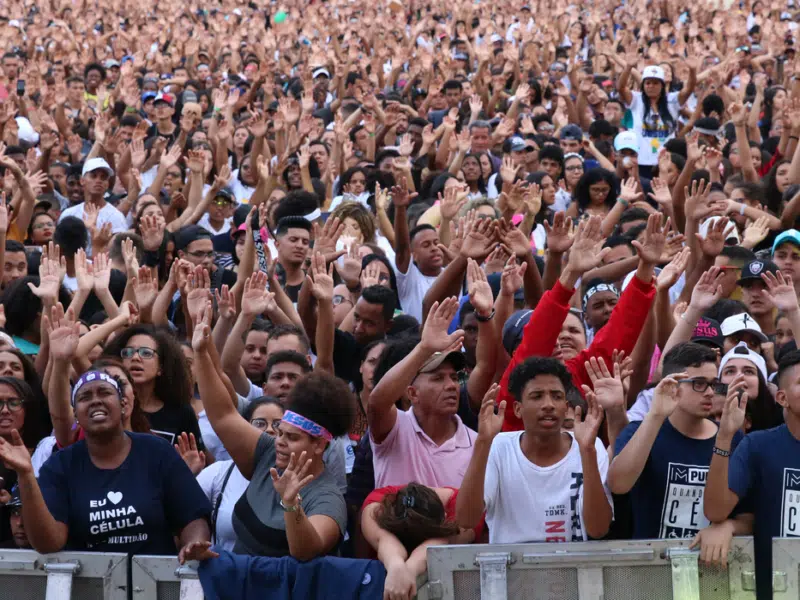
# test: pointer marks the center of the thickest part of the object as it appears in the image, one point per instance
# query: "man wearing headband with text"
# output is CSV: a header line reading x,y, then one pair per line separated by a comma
x,y
598,303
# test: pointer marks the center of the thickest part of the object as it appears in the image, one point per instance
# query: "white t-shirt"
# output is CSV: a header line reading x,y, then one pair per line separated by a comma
x,y
205,223
528,503
210,480
107,214
412,287
654,133
240,191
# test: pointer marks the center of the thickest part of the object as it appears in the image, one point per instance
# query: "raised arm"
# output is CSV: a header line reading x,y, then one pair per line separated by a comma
x,y
63,331
237,435
629,462
381,410
401,198
470,503
322,289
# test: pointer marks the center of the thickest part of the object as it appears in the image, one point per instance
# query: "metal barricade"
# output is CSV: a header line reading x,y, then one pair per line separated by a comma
x,y
622,570
26,575
163,578
786,568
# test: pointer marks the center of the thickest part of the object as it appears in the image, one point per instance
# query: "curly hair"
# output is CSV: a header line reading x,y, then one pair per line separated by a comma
x,y
414,515
324,399
360,214
174,385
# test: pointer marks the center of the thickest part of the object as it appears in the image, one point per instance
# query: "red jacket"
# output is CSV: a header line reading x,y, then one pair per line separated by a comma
x,y
541,334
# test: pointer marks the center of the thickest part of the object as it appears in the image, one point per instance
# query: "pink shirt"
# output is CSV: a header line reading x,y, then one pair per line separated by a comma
x,y
408,454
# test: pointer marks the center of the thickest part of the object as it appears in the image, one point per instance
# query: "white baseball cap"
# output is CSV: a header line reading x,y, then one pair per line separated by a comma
x,y
97,163
627,140
742,322
741,350
706,225
653,72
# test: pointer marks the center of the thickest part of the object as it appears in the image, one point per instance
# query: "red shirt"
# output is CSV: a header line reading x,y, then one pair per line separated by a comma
x,y
541,334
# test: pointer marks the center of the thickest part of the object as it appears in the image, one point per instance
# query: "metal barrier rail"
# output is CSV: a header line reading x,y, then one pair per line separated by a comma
x,y
162,577
24,575
622,570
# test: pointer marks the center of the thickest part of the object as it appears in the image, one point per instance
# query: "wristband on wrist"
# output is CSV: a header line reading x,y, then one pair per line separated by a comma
x,y
624,202
482,319
741,209
720,452
794,137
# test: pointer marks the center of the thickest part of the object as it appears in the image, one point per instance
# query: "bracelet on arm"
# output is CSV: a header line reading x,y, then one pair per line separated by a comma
x,y
720,452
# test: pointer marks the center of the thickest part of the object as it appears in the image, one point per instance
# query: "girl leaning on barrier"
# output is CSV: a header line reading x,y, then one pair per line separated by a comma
x,y
114,491
400,523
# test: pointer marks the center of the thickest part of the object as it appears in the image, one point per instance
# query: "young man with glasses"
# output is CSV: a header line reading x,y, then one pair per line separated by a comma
x,y
663,460
218,218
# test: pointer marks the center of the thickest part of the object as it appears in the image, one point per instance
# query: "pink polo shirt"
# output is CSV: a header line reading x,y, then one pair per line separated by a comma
x,y
408,454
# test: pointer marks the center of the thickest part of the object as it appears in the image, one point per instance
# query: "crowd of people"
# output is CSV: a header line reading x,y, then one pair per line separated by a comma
x,y
356,279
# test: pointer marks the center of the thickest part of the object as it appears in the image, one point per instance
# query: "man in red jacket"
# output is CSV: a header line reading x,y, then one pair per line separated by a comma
x,y
539,336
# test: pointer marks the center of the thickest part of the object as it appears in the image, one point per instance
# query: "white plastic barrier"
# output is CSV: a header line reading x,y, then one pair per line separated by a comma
x,y
619,570
163,578
26,575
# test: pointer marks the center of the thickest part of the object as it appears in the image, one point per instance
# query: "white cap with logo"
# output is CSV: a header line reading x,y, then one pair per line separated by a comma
x,y
742,322
627,140
653,72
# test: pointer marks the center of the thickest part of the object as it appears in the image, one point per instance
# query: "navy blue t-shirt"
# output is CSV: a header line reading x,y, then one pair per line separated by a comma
x,y
764,472
136,508
667,499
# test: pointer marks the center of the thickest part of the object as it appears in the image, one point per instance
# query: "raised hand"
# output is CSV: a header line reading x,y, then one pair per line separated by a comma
x,y
202,327
665,399
655,239
187,449
587,247
734,409
512,276
322,276
708,290
256,299
756,232
350,268
198,291
716,235
145,288
15,455
434,334
780,289
628,191
585,431
294,478
660,193
83,272
560,234
451,203
489,423
607,386
514,239
325,238
226,303
672,272
63,331
480,292
479,239
102,272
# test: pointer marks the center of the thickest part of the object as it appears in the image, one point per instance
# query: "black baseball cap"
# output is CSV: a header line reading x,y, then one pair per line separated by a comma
x,y
708,332
187,235
752,271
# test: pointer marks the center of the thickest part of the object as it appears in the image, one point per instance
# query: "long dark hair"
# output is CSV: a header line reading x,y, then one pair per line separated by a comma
x,y
662,106
173,386
414,515
31,377
370,258
590,178
763,411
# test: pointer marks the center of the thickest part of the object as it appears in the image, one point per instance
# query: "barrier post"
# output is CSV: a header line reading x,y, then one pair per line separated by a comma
x,y
59,579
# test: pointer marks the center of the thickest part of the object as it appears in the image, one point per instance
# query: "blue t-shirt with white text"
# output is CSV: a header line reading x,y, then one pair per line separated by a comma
x,y
667,499
135,508
764,471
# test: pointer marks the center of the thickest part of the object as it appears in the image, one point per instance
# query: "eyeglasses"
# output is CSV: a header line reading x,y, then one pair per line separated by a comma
x,y
339,299
263,423
13,404
143,352
45,225
201,254
574,168
700,385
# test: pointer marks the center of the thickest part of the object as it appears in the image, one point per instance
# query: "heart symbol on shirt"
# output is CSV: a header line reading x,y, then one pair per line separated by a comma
x,y
115,497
